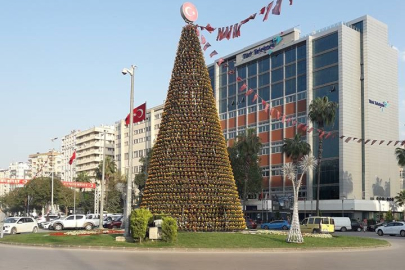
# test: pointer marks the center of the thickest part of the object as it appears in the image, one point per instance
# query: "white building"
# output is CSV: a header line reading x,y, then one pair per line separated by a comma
x,y
89,148
145,134
4,188
68,148
46,164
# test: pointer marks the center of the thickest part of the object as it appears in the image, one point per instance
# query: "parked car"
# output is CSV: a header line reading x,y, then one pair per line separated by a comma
x,y
250,223
13,225
318,225
73,222
276,225
379,224
356,225
117,223
342,224
392,228
44,221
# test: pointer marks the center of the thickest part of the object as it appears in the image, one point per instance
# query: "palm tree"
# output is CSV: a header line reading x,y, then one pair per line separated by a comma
x,y
400,153
322,112
290,171
244,156
296,148
109,172
400,199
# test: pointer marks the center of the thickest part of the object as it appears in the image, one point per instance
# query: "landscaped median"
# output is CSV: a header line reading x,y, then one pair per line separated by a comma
x,y
259,239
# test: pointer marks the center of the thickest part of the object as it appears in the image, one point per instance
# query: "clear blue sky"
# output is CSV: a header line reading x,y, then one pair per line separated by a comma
x,y
61,61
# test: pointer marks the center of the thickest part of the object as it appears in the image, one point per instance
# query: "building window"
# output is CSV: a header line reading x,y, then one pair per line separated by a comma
x,y
302,52
276,170
157,126
126,134
265,150
135,154
277,75
264,128
232,114
325,59
277,60
264,64
326,75
126,143
277,90
135,141
290,87
222,116
264,93
277,102
252,109
135,169
241,131
325,43
290,55
126,156
302,95
290,71
276,126
290,99
232,135
265,171
302,83
140,153
242,111
276,147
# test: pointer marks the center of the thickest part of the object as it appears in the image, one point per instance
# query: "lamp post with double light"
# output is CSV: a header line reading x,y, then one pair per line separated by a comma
x,y
128,201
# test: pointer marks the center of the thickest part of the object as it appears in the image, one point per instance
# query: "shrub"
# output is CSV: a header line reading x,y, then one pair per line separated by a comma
x,y
139,223
169,229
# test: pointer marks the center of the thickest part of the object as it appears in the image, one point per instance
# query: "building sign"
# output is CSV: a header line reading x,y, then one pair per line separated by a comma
x,y
266,48
382,105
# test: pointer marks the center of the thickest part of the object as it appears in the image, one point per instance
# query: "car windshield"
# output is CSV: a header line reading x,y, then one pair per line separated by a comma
x,y
11,220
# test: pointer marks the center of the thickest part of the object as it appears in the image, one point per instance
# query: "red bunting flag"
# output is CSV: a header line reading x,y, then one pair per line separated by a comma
x,y
381,142
283,119
213,53
403,143
239,79
291,2
209,28
263,102
310,130
206,46
197,31
220,61
267,107
373,142
360,140
300,125
72,158
243,87
304,128
278,114
255,97
230,72
250,91
277,8
366,141
271,111
328,135
396,143
321,135
389,142
342,136
348,139
262,10
203,40
139,114
266,16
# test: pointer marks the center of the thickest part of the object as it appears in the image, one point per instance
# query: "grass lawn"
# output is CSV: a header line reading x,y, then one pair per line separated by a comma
x,y
198,240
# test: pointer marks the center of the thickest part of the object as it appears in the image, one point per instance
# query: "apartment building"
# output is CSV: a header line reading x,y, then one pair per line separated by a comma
x,y
46,164
90,146
68,148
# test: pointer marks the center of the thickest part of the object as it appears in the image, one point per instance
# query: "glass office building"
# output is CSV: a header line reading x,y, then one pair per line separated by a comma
x,y
352,64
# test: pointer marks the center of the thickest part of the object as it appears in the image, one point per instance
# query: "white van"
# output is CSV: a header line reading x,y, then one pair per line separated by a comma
x,y
342,224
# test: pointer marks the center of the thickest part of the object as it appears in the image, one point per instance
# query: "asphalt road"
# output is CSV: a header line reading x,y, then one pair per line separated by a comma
x,y
17,257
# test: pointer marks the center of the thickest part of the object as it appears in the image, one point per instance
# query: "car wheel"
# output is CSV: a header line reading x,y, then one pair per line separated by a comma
x,y
35,230
343,229
380,233
114,227
266,227
315,231
88,227
13,231
58,227
402,233
359,229
284,228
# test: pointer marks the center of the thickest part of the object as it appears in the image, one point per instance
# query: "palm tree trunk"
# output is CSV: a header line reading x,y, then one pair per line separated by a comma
x,y
245,193
319,175
294,235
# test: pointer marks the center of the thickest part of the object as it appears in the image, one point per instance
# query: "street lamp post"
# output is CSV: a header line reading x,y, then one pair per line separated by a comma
x,y
100,226
128,201
52,169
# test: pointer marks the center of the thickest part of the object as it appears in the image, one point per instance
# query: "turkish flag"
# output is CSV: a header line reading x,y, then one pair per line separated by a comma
x,y
72,158
139,114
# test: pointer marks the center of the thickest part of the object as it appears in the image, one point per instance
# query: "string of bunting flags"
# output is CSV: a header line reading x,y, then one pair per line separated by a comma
x,y
234,30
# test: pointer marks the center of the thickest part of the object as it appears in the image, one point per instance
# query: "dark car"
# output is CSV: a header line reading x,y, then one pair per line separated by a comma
x,y
356,225
115,224
250,223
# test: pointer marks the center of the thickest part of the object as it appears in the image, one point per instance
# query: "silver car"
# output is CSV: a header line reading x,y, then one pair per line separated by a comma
x,y
13,225
392,228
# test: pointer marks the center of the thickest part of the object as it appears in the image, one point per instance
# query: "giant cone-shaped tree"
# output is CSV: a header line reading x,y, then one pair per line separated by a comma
x,y
190,176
